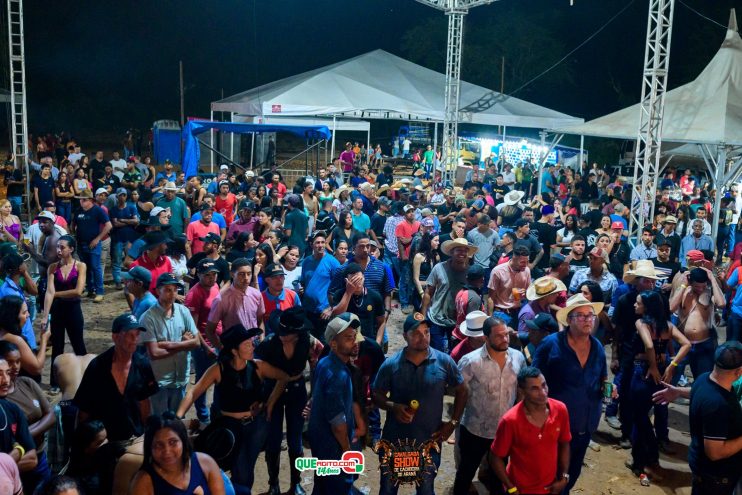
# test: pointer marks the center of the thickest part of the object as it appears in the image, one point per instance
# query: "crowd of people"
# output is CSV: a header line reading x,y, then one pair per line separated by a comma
x,y
278,296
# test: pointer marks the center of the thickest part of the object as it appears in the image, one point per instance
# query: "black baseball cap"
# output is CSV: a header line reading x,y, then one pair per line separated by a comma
x,y
126,322
413,321
206,265
273,270
474,272
521,222
543,322
168,279
246,204
211,238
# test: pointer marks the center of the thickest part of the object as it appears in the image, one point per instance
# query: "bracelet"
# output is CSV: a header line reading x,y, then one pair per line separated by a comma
x,y
673,363
20,448
513,489
683,286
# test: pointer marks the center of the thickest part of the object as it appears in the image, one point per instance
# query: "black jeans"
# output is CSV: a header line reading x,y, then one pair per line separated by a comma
x,y
711,485
66,316
472,448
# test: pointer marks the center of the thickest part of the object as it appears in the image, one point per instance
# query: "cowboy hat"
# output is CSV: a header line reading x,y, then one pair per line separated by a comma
x,y
513,198
543,287
643,268
449,246
398,185
472,325
340,189
574,302
418,172
670,219
382,189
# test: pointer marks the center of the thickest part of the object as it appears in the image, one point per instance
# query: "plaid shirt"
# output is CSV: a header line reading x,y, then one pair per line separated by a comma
x,y
390,238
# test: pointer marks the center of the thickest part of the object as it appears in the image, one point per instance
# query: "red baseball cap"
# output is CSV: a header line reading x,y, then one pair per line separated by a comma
x,y
617,225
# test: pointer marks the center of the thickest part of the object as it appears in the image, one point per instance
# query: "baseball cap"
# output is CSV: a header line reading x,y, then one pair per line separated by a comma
x,y
126,322
413,321
293,200
223,166
223,183
558,258
427,222
122,190
617,225
599,252
273,270
695,255
543,322
211,238
246,204
426,212
168,279
728,356
140,274
341,323
249,173
474,272
101,190
206,265
385,201
408,208
46,215
520,223
156,211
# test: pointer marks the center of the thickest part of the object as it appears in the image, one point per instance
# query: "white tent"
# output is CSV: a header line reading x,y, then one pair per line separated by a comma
x,y
379,85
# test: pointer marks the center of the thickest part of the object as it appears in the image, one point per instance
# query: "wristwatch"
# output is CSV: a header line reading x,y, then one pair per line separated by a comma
x,y
565,476
454,422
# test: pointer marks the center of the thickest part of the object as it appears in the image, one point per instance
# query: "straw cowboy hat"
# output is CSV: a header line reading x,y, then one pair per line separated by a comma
x,y
543,287
340,189
643,268
419,172
574,302
473,324
398,185
513,198
449,246
382,189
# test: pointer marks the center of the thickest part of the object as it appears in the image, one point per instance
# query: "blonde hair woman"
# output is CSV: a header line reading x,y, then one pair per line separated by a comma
x,y
10,229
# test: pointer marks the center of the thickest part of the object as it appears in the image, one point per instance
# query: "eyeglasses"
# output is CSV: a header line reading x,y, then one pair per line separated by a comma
x,y
582,317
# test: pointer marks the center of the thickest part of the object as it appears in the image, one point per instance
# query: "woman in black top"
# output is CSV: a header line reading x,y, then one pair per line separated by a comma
x,y
289,349
239,393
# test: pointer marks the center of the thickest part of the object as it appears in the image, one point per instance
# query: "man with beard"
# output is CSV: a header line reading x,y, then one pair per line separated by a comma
x,y
362,301
664,264
522,232
198,230
404,232
422,374
210,251
491,374
508,283
645,250
577,258
597,272
444,282
696,240
447,212
316,276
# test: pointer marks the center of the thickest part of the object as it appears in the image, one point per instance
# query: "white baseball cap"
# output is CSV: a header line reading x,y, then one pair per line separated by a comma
x,y
101,190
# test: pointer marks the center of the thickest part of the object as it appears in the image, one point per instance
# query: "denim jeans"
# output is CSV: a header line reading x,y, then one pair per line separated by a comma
x,y
202,362
392,259
406,287
92,259
426,487
577,448
374,423
291,404
16,202
734,327
700,358
644,449
117,256
167,399
64,210
439,337
252,438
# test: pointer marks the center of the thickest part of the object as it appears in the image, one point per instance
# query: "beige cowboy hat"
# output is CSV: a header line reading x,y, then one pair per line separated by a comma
x,y
449,246
543,287
643,268
340,189
574,302
473,324
398,185
419,172
382,189
670,219
513,198
419,188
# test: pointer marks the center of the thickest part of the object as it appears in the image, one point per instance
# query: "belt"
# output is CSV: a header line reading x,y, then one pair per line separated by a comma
x,y
712,479
245,420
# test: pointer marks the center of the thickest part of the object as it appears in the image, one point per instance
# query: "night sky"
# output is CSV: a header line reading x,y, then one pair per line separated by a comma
x,y
105,66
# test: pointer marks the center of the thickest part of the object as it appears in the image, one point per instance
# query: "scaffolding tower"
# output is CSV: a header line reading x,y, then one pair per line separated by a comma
x,y
649,140
18,115
455,10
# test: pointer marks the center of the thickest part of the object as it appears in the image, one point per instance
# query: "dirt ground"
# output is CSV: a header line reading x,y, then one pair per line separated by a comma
x,y
604,472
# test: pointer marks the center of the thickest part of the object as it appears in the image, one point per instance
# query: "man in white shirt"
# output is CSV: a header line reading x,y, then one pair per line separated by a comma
x,y
75,155
406,147
118,164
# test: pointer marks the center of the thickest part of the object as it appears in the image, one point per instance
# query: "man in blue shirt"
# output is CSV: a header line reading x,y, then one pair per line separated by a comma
x,y
422,374
168,174
124,218
696,240
332,421
316,275
579,386
138,280
91,226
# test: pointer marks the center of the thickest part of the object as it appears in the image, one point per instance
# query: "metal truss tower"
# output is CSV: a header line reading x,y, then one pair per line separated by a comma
x,y
649,140
455,10
19,119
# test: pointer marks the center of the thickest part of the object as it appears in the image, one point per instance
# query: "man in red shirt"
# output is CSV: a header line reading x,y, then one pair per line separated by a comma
x,y
535,435
275,296
196,231
198,301
404,232
153,257
280,187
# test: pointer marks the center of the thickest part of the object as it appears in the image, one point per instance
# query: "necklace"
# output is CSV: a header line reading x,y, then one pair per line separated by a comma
x,y
541,429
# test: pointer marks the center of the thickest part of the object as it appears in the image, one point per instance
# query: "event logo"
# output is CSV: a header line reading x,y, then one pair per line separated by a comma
x,y
406,462
350,463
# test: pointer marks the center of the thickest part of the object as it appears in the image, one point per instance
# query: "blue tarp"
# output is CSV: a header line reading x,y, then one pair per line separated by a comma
x,y
192,152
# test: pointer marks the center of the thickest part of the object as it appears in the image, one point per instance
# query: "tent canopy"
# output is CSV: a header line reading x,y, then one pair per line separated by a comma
x,y
192,151
379,85
706,110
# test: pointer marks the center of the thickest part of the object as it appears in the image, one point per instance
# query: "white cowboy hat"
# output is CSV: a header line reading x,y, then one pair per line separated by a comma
x,y
643,268
449,246
574,302
340,189
543,287
472,325
513,198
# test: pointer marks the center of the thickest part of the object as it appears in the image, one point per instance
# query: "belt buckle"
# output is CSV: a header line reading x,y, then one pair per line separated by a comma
x,y
247,420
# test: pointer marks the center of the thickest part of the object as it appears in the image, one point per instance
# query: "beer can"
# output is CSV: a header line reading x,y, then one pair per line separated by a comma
x,y
607,389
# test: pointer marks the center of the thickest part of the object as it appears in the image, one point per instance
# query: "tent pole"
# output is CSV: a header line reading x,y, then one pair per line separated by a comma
x,y
231,138
502,154
435,142
368,144
252,150
332,153
721,165
211,132
582,151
